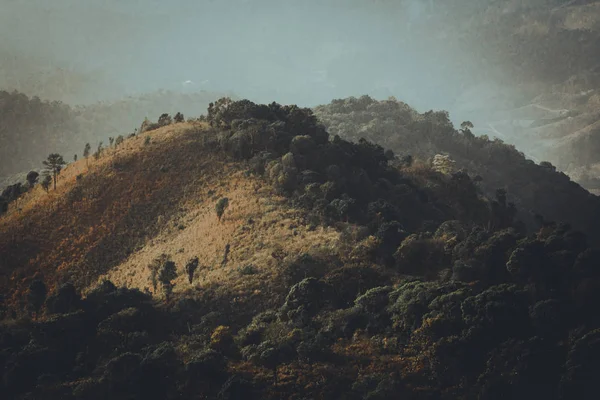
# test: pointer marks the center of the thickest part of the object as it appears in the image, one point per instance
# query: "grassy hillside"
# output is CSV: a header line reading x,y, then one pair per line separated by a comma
x,y
350,274
139,201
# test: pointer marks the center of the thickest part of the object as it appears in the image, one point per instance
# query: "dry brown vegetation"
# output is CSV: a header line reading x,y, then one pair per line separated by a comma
x,y
139,201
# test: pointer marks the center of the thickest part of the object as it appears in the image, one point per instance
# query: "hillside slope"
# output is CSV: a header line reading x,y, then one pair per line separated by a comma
x,y
139,201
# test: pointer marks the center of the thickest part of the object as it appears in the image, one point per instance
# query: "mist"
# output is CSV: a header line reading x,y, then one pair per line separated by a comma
x,y
305,53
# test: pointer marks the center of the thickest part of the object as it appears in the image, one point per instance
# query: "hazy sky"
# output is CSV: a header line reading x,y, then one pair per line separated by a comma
x,y
305,52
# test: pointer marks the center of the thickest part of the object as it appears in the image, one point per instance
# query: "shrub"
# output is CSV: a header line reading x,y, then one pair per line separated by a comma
x,y
221,206
32,178
65,300
46,182
221,339
190,268
248,269
155,268
164,120
36,295
167,273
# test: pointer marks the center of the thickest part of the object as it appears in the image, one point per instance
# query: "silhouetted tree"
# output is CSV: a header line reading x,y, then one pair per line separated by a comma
x,y
154,268
166,274
98,152
54,165
46,182
86,152
164,120
179,117
32,178
221,206
190,268
465,129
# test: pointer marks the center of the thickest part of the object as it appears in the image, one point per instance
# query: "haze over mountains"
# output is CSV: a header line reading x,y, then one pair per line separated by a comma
x,y
525,73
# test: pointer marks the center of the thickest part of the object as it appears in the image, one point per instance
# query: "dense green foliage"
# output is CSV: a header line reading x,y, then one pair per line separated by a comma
x,y
443,295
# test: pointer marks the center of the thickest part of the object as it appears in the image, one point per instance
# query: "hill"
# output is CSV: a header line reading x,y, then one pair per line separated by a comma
x,y
535,189
334,270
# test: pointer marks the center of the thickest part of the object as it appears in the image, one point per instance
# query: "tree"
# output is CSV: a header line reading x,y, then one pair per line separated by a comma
x,y
548,165
54,165
86,152
220,207
154,268
75,158
119,140
179,117
164,120
32,178
466,126
163,270
190,268
216,111
36,295
465,129
166,274
98,152
46,182
111,140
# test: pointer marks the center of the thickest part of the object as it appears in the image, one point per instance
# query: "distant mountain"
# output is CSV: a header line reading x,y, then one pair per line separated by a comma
x,y
548,51
535,188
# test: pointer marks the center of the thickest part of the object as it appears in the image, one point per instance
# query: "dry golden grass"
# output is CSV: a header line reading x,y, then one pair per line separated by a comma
x,y
139,201
256,224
